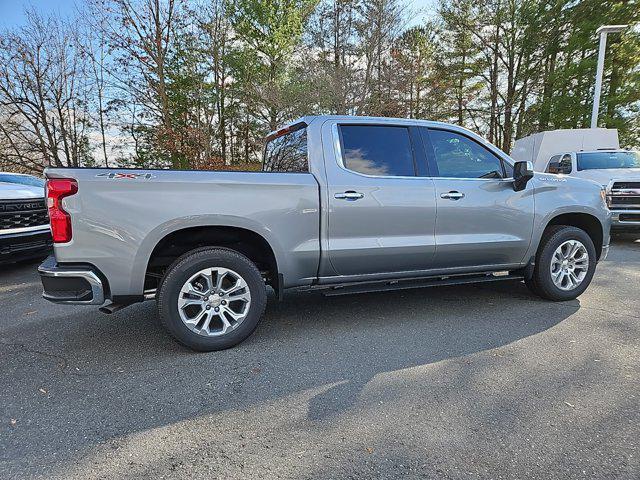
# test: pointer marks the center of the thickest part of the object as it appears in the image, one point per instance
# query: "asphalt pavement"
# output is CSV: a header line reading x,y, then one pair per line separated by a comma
x,y
455,382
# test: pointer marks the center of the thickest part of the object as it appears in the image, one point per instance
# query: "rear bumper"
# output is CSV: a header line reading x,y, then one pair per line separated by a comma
x,y
80,285
23,244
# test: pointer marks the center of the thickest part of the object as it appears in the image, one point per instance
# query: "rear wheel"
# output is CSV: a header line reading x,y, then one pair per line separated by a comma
x,y
565,264
211,299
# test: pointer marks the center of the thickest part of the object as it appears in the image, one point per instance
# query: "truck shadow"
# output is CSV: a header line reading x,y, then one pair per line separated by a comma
x,y
411,328
107,377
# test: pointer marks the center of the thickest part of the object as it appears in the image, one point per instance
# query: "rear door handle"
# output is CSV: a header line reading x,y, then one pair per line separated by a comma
x,y
452,195
349,195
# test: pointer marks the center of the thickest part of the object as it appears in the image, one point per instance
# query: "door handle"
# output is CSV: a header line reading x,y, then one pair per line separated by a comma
x,y
452,195
349,195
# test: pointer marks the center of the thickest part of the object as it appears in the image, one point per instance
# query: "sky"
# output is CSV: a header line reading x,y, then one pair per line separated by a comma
x,y
12,11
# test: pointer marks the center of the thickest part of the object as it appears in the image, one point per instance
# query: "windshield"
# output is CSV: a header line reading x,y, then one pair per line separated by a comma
x,y
604,160
21,180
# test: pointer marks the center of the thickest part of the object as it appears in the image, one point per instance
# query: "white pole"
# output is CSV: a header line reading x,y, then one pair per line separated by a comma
x,y
599,70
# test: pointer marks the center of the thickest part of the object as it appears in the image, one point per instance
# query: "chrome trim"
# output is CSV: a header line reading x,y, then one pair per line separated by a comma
x,y
36,228
615,217
348,196
452,195
150,294
97,289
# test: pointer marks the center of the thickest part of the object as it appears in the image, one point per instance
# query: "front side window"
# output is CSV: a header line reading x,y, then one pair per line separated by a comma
x,y
565,164
377,150
553,164
604,160
287,153
457,156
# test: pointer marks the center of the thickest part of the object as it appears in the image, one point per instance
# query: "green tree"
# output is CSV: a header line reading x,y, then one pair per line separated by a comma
x,y
270,30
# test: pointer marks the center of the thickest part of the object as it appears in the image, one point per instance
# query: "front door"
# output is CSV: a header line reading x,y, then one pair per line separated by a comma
x,y
381,215
481,220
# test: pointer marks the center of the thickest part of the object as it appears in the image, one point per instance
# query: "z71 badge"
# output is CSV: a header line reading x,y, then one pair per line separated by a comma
x,y
127,176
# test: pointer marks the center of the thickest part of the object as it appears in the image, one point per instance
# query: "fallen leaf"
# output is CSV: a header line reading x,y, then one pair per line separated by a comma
x,y
256,370
13,422
369,450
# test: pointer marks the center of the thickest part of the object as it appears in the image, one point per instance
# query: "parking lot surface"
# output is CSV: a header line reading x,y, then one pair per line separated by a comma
x,y
455,382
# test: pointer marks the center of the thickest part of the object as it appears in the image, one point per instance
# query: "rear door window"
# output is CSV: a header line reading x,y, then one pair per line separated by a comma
x,y
287,153
377,150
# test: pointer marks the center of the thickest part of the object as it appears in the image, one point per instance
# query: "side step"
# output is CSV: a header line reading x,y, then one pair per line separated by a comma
x,y
382,286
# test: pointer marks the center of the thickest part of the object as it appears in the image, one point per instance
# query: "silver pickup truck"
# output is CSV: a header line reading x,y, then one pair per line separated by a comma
x,y
343,205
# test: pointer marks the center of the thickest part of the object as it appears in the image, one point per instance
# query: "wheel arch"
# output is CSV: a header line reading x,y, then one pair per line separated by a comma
x,y
243,240
584,221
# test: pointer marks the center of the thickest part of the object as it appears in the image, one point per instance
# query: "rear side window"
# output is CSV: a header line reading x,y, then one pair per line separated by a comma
x,y
287,153
377,150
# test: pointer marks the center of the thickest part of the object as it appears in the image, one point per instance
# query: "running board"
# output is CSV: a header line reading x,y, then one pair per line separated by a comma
x,y
382,286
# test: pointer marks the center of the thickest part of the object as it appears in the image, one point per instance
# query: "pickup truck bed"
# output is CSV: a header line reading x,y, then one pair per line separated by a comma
x,y
117,223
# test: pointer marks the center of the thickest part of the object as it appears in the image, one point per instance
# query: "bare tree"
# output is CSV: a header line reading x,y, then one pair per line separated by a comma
x,y
140,33
43,96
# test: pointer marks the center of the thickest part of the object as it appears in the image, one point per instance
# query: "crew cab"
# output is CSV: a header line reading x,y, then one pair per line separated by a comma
x,y
343,205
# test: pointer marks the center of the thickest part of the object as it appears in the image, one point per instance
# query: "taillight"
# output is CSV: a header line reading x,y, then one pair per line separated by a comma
x,y
57,189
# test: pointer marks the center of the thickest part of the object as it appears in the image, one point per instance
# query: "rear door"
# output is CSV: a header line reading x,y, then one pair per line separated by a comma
x,y
382,208
481,220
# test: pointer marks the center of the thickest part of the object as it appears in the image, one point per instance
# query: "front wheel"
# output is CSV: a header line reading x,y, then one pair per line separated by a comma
x,y
211,299
565,264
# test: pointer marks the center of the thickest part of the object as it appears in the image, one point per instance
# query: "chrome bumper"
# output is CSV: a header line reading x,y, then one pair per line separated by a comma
x,y
70,285
625,219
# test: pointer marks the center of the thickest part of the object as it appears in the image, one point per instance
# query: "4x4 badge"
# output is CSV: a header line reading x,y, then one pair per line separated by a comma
x,y
129,176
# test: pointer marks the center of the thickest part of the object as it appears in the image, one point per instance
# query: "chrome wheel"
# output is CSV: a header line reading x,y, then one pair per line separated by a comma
x,y
569,265
214,301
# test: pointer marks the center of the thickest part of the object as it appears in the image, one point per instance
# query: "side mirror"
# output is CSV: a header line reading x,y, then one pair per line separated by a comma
x,y
522,173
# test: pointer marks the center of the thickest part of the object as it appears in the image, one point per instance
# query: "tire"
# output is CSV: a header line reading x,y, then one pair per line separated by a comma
x,y
542,281
195,324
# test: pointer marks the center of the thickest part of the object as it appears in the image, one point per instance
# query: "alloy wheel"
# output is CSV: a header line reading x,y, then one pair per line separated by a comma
x,y
569,265
214,301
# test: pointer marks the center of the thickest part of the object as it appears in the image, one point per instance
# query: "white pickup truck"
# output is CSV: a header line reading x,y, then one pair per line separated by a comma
x,y
592,154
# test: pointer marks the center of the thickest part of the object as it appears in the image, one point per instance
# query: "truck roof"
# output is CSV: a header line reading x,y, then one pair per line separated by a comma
x,y
308,119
